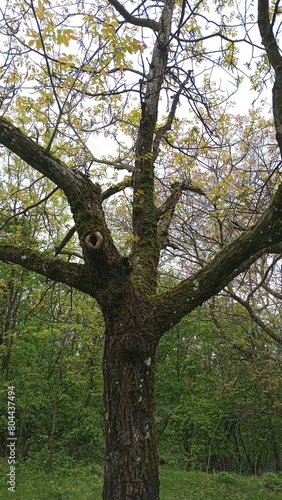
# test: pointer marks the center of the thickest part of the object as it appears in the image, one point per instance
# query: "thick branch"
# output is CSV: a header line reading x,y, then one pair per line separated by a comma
x,y
38,157
264,237
146,249
84,197
275,59
144,22
74,275
267,35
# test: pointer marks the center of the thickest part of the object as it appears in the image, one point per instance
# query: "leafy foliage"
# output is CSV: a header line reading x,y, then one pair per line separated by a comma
x,y
57,371
219,396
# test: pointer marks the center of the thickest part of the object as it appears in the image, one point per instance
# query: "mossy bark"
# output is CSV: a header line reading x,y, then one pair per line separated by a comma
x,y
131,461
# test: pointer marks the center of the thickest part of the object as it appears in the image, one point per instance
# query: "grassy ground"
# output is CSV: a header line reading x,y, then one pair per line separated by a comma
x,y
86,484
176,485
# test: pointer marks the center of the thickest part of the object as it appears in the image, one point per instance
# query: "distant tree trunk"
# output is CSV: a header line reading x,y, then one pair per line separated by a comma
x,y
55,404
276,453
131,462
10,316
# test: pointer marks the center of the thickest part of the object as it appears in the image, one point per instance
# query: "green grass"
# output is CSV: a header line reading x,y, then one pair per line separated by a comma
x,y
180,485
86,483
74,484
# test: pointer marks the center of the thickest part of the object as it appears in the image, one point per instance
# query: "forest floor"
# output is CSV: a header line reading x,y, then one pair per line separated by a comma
x,y
85,483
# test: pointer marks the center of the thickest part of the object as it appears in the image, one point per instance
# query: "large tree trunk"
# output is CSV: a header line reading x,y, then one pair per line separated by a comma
x,y
131,461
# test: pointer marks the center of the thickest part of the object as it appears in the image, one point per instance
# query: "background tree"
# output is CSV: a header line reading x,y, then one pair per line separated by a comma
x,y
74,75
219,393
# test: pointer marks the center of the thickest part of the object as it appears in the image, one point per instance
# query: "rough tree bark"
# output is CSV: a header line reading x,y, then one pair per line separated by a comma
x,y
136,316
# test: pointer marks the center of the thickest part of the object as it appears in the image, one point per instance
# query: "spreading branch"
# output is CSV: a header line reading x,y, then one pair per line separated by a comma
x,y
116,164
74,275
84,196
264,237
38,157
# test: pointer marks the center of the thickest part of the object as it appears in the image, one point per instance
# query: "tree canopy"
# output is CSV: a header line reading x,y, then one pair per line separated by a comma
x,y
133,171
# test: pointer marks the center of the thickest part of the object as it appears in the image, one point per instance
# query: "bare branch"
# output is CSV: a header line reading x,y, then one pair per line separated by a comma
x,y
220,35
266,328
167,126
116,164
69,235
166,210
46,59
177,189
144,22
116,188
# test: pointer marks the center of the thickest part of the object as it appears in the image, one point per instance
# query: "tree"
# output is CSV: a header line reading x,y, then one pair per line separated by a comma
x,y
65,82
219,392
54,352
